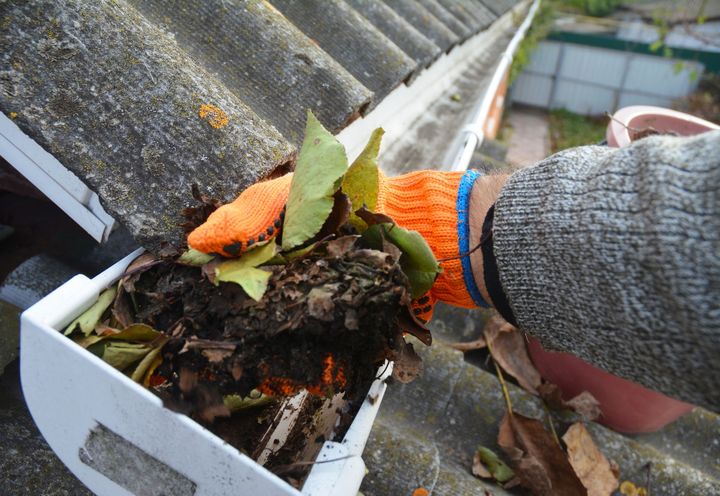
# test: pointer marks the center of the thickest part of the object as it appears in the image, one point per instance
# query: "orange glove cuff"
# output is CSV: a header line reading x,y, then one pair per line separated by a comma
x,y
435,204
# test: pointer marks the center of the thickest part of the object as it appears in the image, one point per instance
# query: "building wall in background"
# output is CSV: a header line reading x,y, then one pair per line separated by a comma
x,y
591,80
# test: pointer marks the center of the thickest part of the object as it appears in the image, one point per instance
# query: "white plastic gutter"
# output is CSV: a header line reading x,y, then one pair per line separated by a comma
x,y
475,129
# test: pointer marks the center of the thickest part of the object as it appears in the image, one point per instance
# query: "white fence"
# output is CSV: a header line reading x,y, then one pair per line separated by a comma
x,y
589,80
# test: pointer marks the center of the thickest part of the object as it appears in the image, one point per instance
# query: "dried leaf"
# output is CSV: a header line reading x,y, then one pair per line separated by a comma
x,y
418,262
590,465
320,166
135,270
408,365
469,345
510,352
371,218
584,404
90,317
340,246
362,180
320,304
338,217
120,309
537,459
243,270
487,464
194,257
216,355
135,332
410,324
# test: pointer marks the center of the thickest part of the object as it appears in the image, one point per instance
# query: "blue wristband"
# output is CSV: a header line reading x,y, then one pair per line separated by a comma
x,y
463,225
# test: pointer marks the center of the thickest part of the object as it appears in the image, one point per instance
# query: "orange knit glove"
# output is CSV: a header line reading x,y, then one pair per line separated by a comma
x,y
434,203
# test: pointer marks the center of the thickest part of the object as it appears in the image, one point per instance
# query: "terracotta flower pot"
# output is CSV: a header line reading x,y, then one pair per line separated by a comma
x,y
627,406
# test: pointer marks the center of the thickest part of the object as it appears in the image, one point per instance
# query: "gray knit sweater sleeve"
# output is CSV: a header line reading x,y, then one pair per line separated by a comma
x,y
614,255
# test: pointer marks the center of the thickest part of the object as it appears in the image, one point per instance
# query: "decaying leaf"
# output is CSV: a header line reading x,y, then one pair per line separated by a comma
x,y
510,352
320,166
584,404
320,304
590,465
90,317
120,308
141,371
417,260
195,257
135,270
371,218
244,271
120,354
536,458
487,465
362,179
338,217
408,365
340,246
477,344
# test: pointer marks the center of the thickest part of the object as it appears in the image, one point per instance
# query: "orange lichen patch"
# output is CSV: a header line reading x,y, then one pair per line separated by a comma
x,y
215,116
420,491
13,115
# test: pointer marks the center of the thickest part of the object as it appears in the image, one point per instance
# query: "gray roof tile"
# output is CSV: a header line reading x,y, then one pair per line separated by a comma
x,y
401,32
121,105
353,41
447,18
425,22
264,59
468,12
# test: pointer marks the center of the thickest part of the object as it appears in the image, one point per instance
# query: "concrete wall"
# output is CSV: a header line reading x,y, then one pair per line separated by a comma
x,y
589,80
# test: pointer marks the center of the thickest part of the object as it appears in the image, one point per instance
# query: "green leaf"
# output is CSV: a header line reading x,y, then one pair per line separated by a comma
x,y
120,354
362,180
656,45
417,260
89,319
139,373
320,166
678,67
135,332
499,470
236,403
243,270
195,257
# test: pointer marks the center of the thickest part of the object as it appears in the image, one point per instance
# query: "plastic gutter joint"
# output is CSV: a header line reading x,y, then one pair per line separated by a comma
x,y
55,181
473,133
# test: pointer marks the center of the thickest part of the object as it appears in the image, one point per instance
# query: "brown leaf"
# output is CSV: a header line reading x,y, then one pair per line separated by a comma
x,y
478,469
340,246
590,465
537,459
391,249
135,270
510,352
410,324
320,304
469,345
216,355
408,365
372,218
121,308
339,215
584,403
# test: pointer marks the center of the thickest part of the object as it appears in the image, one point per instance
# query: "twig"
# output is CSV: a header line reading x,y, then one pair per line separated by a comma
x,y
552,426
281,469
501,378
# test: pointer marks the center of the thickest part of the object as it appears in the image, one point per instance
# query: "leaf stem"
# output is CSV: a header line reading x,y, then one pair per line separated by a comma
x,y
501,378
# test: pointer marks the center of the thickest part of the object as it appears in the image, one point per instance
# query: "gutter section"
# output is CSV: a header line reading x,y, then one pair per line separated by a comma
x,y
474,130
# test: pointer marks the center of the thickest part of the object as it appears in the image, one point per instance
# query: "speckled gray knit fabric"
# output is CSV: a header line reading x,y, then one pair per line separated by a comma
x,y
614,255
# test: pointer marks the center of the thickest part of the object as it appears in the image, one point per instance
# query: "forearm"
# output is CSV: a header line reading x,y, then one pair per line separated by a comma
x,y
613,255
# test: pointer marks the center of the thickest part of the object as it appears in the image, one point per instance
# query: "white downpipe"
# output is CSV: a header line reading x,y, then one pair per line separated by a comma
x,y
474,129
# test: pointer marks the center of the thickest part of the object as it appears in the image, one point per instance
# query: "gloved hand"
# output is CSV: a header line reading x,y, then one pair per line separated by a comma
x,y
434,203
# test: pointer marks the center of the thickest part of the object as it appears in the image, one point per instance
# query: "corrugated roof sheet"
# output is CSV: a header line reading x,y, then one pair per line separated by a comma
x,y
142,98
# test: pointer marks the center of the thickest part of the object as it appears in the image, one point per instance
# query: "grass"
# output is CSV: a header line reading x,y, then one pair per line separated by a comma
x,y
568,130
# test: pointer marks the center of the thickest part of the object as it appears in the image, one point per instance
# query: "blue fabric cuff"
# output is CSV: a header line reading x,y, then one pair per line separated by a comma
x,y
463,225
